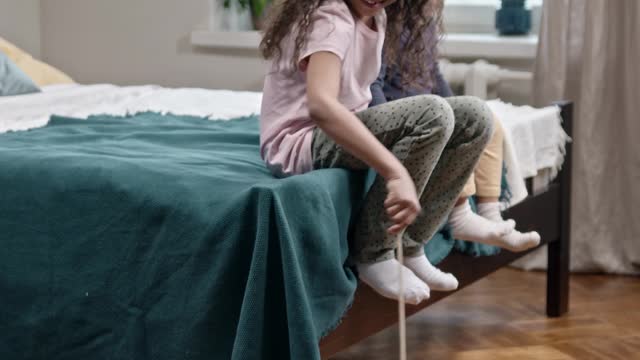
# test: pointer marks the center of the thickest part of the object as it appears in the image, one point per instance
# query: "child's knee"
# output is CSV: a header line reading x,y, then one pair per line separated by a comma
x,y
480,116
498,131
438,113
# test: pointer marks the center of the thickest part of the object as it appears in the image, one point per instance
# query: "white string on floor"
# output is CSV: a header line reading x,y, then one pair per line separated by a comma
x,y
402,331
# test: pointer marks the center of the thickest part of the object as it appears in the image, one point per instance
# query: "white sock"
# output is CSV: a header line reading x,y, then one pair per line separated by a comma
x,y
517,241
514,241
466,225
383,278
492,212
431,275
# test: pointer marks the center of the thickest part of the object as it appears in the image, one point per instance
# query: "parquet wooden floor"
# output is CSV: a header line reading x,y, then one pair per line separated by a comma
x,y
502,317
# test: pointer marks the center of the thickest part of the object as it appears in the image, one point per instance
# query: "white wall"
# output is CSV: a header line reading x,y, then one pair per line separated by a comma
x,y
20,24
132,42
141,41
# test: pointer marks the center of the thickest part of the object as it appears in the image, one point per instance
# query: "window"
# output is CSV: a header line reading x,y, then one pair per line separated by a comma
x,y
478,16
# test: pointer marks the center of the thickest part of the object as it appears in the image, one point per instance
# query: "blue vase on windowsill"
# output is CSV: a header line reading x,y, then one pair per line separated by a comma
x,y
513,18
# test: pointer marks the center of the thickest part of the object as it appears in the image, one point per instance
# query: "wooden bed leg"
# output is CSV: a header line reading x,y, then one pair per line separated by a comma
x,y
559,251
558,278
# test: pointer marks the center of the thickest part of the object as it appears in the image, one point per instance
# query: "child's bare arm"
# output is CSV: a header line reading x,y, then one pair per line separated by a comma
x,y
323,86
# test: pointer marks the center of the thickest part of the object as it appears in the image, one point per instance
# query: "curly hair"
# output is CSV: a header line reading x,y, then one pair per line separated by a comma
x,y
408,39
414,28
285,16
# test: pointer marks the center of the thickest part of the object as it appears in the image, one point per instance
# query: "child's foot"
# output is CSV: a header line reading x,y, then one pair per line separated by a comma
x,y
514,241
517,241
472,227
431,275
491,211
383,278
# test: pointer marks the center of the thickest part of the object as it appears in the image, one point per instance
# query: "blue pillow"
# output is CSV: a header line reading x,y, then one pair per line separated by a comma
x,y
14,81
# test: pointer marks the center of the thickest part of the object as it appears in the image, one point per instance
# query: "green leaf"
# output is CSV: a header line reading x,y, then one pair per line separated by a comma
x,y
258,6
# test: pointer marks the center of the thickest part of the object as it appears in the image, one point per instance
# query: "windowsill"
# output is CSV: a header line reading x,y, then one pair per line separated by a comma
x,y
486,46
489,46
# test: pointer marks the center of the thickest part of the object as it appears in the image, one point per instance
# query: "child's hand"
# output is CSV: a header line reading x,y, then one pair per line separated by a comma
x,y
402,204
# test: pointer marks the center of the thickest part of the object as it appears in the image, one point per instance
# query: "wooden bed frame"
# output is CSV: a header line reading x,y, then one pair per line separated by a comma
x,y
547,212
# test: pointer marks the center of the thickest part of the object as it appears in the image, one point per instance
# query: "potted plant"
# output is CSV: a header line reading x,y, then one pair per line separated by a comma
x,y
258,10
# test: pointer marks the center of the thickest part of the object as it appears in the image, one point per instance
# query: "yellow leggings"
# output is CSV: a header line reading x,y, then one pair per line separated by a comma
x,y
487,176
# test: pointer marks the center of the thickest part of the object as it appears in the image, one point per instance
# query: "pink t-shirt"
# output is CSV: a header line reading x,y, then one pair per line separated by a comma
x,y
285,126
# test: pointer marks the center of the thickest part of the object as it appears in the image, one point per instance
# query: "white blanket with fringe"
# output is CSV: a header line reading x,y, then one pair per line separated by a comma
x,y
534,141
537,136
80,101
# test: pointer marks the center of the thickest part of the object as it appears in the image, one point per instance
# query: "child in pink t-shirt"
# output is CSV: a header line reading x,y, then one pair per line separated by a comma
x,y
324,56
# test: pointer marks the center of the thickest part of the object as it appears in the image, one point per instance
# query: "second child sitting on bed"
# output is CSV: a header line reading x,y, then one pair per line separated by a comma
x,y
488,226
325,54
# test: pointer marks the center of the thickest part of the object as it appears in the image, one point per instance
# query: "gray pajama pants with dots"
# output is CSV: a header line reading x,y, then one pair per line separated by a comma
x,y
438,140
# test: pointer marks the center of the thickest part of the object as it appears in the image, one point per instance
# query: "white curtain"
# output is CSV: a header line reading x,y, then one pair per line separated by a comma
x,y
589,52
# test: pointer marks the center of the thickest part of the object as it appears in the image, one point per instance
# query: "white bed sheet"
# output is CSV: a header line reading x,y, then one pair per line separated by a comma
x,y
31,111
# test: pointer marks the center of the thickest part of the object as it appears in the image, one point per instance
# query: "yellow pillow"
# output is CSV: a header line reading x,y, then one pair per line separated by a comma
x,y
42,74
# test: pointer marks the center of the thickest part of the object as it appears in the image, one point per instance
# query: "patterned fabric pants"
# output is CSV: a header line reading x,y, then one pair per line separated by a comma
x,y
438,140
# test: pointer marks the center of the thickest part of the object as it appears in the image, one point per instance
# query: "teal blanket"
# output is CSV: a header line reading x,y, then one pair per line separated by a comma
x,y
164,237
